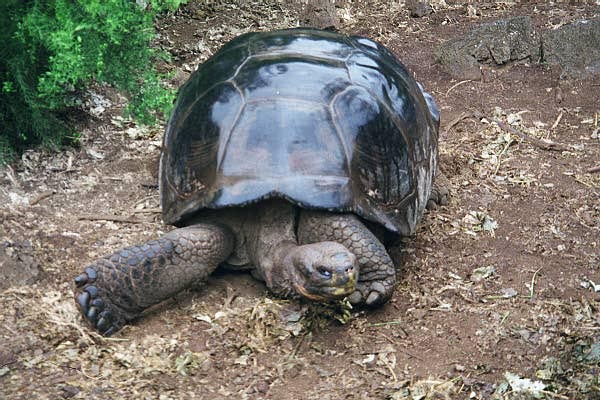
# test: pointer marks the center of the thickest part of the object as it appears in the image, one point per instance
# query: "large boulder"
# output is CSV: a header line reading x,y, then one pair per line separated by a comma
x,y
575,47
498,42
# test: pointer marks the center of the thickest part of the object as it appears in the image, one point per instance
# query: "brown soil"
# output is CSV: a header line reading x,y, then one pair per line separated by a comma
x,y
450,331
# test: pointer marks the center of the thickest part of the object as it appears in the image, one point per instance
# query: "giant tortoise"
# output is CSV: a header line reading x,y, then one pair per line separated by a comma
x,y
282,149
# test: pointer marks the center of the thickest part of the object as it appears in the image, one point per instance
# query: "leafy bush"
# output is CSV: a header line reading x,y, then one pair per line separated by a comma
x,y
51,49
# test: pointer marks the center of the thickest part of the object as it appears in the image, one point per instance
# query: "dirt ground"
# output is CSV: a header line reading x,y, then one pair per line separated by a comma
x,y
501,284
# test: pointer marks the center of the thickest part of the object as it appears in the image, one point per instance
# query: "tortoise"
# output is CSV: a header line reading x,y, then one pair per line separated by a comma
x,y
282,149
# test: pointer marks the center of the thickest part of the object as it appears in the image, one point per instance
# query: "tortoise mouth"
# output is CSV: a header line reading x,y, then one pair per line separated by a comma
x,y
326,293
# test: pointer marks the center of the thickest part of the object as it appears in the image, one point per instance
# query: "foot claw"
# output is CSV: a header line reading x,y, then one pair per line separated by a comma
x,y
371,293
91,314
83,300
98,303
92,290
110,331
81,280
91,273
374,298
355,297
103,324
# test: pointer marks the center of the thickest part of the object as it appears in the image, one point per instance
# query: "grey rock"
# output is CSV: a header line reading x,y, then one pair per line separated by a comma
x,y
498,42
418,9
575,47
318,14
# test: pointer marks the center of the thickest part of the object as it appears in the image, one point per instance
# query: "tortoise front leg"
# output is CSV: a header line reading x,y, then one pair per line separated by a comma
x,y
377,274
117,288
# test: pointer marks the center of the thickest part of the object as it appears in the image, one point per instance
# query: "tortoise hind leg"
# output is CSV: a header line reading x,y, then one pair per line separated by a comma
x,y
439,192
117,288
377,274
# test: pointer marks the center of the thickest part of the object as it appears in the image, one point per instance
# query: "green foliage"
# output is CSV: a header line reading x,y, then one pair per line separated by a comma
x,y
52,49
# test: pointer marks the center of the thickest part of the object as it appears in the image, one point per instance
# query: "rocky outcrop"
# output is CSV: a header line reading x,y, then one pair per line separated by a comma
x,y
574,47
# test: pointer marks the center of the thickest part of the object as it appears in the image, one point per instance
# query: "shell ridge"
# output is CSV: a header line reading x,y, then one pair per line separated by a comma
x,y
284,98
338,129
224,145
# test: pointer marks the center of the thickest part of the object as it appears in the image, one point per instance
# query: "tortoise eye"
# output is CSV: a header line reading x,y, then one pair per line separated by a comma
x,y
324,272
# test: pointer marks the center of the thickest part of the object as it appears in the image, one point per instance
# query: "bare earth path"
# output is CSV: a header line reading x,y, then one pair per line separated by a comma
x,y
506,278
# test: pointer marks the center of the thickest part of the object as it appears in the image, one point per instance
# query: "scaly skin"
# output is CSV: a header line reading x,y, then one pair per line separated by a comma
x,y
116,289
377,276
334,251
439,192
318,271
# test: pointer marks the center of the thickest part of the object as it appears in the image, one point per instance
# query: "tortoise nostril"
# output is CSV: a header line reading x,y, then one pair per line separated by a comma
x,y
349,269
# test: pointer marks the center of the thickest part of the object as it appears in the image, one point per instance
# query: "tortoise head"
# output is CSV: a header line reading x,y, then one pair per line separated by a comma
x,y
323,271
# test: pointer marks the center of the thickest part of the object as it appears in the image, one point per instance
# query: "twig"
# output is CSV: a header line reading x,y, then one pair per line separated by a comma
x,y
504,318
501,154
147,210
541,143
384,324
410,355
10,174
114,218
465,298
474,114
41,197
555,124
8,363
389,367
593,169
297,347
457,85
456,121
552,394
533,282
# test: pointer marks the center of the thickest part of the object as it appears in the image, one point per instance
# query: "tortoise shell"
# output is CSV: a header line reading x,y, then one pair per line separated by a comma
x,y
323,120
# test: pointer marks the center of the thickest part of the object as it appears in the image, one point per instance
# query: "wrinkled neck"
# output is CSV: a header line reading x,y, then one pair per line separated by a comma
x,y
271,240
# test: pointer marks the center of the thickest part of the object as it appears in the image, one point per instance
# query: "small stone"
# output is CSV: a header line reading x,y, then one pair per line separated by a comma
x,y
319,14
69,391
418,9
369,361
262,387
482,273
323,373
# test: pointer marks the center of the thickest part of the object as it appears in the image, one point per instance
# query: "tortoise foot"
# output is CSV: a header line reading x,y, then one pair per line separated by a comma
x,y
372,293
440,192
116,289
95,308
377,273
